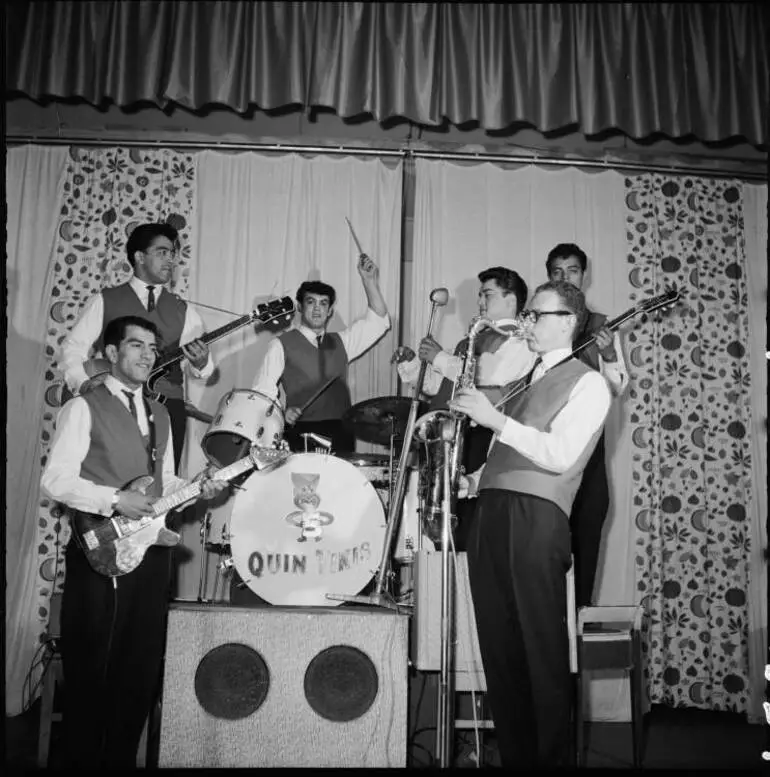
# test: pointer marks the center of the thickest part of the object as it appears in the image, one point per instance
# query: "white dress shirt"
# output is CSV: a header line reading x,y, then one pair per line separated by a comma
x,y
571,429
511,361
61,478
76,347
356,339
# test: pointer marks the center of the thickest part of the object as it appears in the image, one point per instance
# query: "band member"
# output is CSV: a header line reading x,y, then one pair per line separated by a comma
x,y
113,629
500,360
311,364
519,543
152,250
567,262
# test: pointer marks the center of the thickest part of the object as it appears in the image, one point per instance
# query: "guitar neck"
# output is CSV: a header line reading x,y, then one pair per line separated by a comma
x,y
207,338
192,490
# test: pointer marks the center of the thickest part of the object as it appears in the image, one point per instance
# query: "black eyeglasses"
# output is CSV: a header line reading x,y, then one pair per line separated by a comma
x,y
534,315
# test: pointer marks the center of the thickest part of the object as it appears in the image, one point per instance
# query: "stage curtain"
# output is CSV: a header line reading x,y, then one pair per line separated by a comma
x,y
755,226
673,68
264,225
693,426
34,192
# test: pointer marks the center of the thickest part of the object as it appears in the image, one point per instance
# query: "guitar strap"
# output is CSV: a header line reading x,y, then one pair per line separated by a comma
x,y
152,445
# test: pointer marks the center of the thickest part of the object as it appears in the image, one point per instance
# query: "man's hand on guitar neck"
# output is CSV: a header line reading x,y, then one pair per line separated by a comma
x,y
605,342
197,353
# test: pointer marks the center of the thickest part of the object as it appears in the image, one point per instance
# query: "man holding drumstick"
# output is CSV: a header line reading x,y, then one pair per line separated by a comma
x,y
311,364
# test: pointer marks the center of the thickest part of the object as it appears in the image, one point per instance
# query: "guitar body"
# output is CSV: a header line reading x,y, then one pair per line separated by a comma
x,y
116,546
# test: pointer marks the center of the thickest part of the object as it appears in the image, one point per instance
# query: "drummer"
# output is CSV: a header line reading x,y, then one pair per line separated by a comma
x,y
311,364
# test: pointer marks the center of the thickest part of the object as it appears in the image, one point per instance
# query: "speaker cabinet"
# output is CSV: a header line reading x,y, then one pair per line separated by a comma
x,y
280,686
426,623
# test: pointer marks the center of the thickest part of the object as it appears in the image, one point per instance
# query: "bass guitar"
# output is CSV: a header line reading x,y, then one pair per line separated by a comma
x,y
116,545
272,315
660,302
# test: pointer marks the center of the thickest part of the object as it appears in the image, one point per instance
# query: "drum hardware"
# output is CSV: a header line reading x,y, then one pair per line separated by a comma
x,y
438,297
220,548
381,420
324,442
204,534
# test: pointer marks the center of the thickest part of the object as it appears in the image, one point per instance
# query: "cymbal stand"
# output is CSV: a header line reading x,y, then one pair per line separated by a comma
x,y
204,570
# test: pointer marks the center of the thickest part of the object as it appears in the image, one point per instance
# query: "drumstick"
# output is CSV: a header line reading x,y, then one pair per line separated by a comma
x,y
317,394
355,238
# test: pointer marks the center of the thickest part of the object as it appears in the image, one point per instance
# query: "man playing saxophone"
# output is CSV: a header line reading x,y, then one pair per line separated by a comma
x,y
519,541
498,359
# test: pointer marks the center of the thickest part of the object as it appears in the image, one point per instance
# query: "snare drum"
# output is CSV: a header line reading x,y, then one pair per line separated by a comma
x,y
314,525
243,418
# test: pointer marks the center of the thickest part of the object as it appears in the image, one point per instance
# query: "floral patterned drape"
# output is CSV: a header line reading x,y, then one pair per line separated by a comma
x,y
107,192
691,417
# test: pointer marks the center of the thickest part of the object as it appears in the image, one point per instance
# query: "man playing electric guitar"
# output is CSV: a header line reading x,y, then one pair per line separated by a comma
x,y
113,628
152,250
568,262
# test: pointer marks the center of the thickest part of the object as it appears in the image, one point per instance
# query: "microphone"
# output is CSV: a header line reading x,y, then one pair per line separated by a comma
x,y
439,296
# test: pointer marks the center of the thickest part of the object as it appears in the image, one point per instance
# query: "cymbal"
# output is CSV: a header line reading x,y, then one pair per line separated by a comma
x,y
374,420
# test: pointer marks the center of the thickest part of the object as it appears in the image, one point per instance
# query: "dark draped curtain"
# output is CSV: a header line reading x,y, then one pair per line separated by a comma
x,y
680,69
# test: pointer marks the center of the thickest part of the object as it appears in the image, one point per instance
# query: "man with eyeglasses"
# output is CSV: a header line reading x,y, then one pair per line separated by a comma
x,y
501,360
519,543
568,262
151,250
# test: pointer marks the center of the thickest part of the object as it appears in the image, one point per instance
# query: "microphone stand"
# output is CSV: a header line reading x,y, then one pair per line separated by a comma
x,y
445,713
380,597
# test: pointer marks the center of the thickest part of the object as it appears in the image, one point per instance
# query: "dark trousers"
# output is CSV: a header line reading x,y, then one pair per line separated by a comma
x,y
518,557
178,418
342,438
113,640
589,511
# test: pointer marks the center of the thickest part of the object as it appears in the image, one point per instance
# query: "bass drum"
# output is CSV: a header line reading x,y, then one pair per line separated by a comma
x,y
311,526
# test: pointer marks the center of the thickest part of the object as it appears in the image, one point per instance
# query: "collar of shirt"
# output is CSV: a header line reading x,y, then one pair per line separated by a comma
x,y
310,334
114,386
142,291
552,357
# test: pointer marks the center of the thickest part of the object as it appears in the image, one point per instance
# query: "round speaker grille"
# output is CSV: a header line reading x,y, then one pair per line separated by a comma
x,y
232,681
341,683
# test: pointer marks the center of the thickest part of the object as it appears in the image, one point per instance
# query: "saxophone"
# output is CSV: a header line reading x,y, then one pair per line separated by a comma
x,y
437,426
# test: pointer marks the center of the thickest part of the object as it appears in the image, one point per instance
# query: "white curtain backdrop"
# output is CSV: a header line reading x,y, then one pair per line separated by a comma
x,y
264,224
470,217
34,178
755,226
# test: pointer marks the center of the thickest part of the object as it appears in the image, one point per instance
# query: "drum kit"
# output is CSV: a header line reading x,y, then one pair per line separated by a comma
x,y
310,531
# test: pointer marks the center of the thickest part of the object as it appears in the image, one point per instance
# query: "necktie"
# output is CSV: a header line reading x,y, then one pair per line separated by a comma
x,y
150,299
131,405
535,369
319,339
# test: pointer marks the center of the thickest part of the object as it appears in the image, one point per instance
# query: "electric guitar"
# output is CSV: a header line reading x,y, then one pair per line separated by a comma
x,y
273,315
660,302
116,545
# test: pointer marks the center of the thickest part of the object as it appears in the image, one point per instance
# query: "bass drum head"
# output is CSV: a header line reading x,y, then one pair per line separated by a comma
x,y
311,526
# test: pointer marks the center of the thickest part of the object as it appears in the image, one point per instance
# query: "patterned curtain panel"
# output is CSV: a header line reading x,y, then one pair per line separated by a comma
x,y
691,417
107,192
638,67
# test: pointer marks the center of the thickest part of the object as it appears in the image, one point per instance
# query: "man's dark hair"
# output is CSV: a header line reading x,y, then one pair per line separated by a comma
x,y
143,235
509,281
564,251
316,287
115,331
571,297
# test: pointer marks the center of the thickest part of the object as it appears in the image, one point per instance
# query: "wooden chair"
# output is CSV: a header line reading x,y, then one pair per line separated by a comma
x,y
611,641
